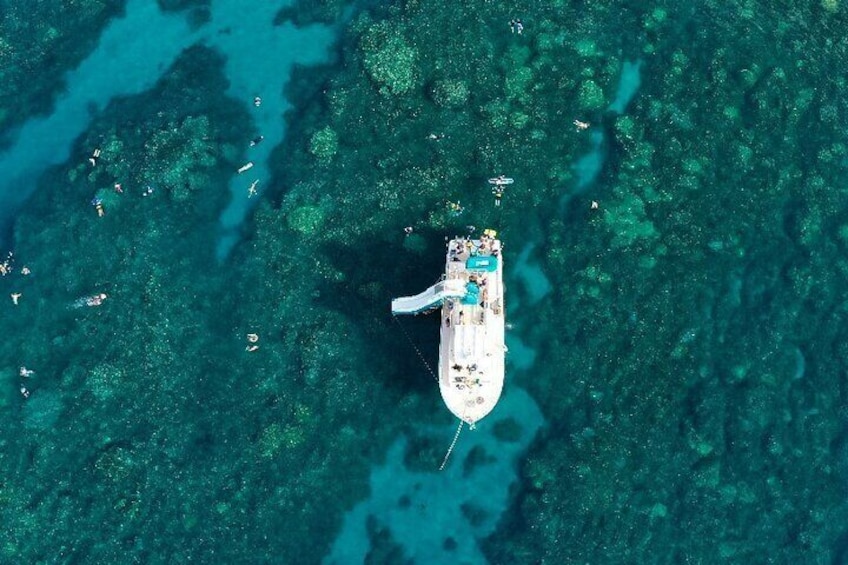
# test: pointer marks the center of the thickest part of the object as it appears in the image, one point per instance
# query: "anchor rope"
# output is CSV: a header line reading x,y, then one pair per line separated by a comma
x,y
418,351
452,445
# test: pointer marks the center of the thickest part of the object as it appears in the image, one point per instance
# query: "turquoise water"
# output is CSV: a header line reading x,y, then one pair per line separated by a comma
x,y
199,364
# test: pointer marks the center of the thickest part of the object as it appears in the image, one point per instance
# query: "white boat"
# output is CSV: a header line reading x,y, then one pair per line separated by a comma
x,y
472,348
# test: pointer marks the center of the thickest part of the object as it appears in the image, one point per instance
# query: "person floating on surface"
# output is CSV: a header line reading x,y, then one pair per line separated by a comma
x,y
455,208
98,205
256,140
93,300
500,182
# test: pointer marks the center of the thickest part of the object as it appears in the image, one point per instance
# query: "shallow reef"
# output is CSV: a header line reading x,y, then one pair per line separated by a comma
x,y
147,413
689,336
687,351
695,385
39,42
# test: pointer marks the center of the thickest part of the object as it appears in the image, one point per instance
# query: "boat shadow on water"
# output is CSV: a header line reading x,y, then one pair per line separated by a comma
x,y
370,272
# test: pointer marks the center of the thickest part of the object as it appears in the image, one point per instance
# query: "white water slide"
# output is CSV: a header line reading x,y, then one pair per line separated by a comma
x,y
430,298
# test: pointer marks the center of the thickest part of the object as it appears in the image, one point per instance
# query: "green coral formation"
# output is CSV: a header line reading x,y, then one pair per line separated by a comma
x,y
306,219
683,381
691,392
324,144
389,59
450,93
689,355
151,399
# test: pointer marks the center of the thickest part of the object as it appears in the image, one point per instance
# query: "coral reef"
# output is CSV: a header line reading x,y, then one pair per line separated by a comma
x,y
39,42
389,59
688,339
324,144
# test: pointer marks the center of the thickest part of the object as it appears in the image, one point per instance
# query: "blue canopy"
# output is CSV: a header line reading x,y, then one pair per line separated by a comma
x,y
472,294
486,263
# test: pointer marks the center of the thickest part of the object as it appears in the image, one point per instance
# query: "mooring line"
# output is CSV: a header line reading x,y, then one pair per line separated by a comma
x,y
452,445
415,347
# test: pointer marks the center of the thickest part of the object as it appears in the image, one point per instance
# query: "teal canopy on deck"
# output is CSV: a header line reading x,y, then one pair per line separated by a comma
x,y
472,294
482,263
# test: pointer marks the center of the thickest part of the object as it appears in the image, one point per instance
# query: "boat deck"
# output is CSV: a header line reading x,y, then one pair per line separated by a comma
x,y
471,356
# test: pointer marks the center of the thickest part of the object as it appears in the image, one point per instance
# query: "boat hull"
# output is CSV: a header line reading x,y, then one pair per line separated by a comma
x,y
472,347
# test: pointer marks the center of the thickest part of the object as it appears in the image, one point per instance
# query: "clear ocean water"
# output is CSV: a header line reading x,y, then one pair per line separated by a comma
x,y
202,220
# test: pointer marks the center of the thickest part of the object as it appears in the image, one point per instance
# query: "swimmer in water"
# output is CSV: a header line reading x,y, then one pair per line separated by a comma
x,y
93,300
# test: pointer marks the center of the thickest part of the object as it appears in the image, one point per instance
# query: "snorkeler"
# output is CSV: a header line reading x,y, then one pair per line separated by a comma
x,y
93,300
256,140
500,183
498,192
98,205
